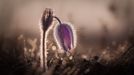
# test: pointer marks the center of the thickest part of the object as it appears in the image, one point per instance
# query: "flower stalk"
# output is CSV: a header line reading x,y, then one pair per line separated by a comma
x,y
46,21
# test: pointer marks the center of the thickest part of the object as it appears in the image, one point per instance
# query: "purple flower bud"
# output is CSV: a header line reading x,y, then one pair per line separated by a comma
x,y
65,36
47,18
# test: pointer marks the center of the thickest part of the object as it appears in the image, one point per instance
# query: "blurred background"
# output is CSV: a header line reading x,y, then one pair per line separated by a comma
x,y
104,27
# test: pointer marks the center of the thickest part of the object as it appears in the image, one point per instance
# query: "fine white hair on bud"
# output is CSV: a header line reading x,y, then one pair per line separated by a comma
x,y
47,18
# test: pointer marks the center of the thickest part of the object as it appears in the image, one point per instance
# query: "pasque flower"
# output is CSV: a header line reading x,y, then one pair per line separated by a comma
x,y
65,36
47,18
46,21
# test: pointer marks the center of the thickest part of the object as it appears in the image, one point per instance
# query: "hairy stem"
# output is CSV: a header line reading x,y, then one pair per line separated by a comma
x,y
57,19
43,51
43,43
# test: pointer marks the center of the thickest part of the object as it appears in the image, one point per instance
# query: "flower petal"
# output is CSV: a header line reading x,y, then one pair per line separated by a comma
x,y
64,36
